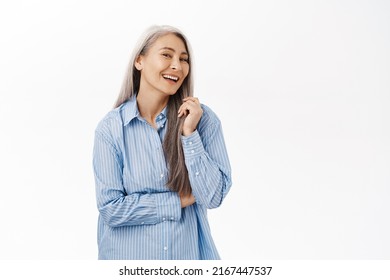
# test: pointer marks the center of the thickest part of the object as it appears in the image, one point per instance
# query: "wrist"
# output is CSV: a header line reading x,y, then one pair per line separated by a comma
x,y
187,132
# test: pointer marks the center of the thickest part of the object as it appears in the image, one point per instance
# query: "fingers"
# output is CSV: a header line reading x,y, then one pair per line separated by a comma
x,y
190,104
187,200
193,99
186,108
183,110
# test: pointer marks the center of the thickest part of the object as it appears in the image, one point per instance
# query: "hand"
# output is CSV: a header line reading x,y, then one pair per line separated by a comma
x,y
192,112
187,200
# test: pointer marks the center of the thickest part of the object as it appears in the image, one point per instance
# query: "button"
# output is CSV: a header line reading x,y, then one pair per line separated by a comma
x,y
190,143
196,173
160,117
164,219
142,223
162,125
172,218
162,175
165,248
192,151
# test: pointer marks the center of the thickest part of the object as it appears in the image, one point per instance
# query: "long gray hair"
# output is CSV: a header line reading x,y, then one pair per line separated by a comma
x,y
178,175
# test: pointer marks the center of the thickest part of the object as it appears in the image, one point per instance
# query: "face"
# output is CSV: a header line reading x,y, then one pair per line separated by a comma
x,y
164,67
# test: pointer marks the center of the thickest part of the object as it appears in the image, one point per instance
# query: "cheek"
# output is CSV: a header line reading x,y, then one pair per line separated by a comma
x,y
158,65
186,70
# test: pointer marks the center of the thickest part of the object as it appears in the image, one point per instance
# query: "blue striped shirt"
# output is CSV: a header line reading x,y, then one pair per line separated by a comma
x,y
139,217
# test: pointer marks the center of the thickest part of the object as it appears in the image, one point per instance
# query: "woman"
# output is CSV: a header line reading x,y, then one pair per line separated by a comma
x,y
159,159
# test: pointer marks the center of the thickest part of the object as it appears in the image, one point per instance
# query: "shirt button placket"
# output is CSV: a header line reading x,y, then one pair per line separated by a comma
x,y
165,239
165,252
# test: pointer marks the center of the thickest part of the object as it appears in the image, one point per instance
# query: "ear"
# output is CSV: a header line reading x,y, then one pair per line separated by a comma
x,y
138,63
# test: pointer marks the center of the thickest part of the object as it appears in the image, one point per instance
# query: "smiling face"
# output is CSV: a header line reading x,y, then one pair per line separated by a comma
x,y
164,66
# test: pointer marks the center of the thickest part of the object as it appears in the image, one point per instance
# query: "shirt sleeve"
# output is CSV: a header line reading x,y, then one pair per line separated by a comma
x,y
118,208
208,165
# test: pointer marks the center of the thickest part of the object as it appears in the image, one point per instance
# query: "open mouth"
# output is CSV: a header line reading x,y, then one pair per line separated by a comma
x,y
171,78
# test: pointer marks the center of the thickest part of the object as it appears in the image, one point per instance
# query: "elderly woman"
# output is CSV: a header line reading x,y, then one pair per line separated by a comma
x,y
159,159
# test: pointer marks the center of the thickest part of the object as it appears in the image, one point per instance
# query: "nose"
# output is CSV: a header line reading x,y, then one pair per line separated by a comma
x,y
175,64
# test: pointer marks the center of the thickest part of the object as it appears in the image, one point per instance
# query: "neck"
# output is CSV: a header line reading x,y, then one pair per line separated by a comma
x,y
150,106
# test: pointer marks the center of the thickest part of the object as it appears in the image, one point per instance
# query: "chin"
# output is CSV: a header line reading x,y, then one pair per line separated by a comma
x,y
170,92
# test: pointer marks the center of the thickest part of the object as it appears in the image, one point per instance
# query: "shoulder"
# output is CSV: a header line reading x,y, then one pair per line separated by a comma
x,y
111,122
209,119
208,114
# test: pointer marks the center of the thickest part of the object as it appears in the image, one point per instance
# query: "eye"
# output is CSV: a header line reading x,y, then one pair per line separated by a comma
x,y
166,55
184,59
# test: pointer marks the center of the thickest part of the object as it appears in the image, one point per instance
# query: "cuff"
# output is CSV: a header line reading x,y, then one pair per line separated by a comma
x,y
192,145
168,207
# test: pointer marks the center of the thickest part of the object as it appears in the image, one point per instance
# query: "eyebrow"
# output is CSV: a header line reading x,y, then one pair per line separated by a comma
x,y
171,49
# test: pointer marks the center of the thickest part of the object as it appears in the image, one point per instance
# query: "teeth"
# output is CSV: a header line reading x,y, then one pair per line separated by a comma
x,y
171,77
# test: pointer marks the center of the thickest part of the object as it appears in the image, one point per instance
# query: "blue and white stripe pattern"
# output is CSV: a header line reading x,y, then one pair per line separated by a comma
x,y
139,217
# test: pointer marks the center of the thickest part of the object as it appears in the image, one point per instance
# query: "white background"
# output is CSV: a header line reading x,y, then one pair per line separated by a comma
x,y
302,89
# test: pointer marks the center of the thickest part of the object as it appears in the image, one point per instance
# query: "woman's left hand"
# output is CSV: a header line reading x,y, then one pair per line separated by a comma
x,y
192,112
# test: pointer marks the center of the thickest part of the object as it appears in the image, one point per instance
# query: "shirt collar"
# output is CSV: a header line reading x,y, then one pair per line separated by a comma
x,y
130,111
164,112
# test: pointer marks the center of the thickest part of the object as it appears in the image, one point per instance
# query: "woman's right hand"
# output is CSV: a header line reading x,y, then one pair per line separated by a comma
x,y
187,200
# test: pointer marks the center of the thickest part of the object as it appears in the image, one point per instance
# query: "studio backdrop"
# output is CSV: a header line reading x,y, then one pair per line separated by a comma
x,y
302,89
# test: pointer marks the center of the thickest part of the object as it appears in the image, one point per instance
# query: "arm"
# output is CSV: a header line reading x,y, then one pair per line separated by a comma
x,y
208,164
118,208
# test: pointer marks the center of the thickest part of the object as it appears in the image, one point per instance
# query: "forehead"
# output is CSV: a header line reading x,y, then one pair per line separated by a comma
x,y
170,41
